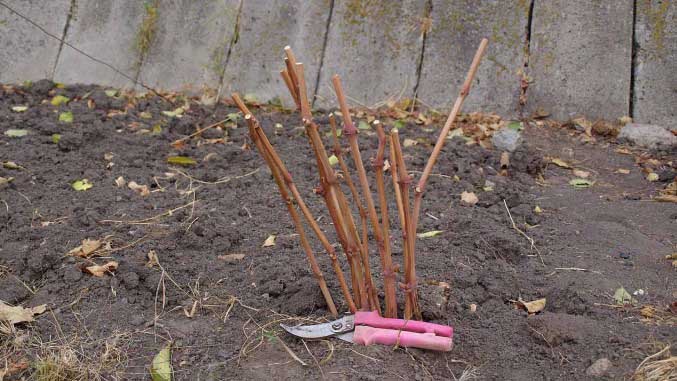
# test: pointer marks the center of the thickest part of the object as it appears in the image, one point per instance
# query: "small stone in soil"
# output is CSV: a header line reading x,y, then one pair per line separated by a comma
x,y
599,368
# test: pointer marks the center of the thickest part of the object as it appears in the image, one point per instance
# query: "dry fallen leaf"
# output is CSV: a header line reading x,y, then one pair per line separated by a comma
x,y
231,258
141,189
505,161
190,313
5,180
270,241
409,142
386,165
469,198
88,247
120,182
623,171
19,314
585,124
101,270
538,210
648,311
560,163
152,259
532,307
581,174
666,198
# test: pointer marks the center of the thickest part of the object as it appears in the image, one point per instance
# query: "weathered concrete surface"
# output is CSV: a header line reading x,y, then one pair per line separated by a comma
x,y
375,47
580,58
27,53
266,27
656,63
105,30
190,44
457,28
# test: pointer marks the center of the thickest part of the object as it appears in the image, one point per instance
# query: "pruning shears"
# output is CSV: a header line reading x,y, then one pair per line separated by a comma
x,y
367,328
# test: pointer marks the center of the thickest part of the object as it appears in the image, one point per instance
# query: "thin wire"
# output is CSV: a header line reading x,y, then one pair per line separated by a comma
x,y
63,41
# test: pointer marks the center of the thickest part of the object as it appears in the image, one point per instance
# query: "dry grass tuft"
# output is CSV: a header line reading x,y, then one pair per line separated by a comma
x,y
660,366
77,359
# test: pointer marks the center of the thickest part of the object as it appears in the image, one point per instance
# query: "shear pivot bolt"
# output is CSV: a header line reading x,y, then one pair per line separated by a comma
x,y
336,326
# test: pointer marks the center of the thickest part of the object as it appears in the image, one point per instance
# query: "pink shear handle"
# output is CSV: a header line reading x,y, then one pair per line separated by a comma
x,y
372,319
367,336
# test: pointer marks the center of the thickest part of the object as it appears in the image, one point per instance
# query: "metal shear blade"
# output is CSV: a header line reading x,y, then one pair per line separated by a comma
x,y
318,331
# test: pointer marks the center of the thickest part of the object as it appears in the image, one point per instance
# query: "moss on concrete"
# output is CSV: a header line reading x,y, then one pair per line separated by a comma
x,y
146,33
656,17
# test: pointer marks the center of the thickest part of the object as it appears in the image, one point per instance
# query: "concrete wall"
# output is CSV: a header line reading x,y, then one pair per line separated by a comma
x,y
602,59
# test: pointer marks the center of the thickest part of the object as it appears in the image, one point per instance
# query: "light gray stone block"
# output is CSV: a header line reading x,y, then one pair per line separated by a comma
x,y
266,27
375,47
506,139
580,58
190,45
648,136
27,53
458,26
655,92
105,30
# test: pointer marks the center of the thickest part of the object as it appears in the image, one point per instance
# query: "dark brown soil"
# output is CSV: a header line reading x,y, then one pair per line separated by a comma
x,y
611,229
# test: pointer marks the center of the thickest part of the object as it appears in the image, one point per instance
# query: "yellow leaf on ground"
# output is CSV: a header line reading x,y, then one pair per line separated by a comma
x,y
429,234
5,180
538,209
19,314
59,100
81,185
653,176
101,270
161,367
469,198
533,306
12,165
560,163
181,160
623,171
270,241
